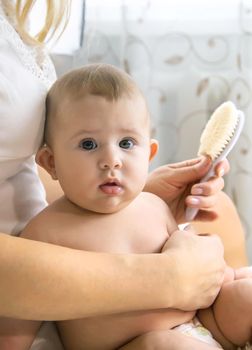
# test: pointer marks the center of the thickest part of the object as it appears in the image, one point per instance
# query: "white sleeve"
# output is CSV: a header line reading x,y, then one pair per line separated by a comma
x,y
22,197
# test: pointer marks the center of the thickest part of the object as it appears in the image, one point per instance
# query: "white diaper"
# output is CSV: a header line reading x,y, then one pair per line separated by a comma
x,y
195,329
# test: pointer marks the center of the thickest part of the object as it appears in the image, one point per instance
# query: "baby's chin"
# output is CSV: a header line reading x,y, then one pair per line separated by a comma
x,y
105,205
111,206
110,209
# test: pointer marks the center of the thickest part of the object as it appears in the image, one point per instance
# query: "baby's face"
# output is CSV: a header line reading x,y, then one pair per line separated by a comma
x,y
101,150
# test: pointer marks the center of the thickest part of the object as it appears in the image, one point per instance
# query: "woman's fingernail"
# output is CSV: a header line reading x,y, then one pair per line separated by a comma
x,y
194,201
221,172
196,190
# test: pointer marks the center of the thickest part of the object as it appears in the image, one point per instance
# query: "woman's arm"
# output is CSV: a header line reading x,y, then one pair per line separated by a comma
x,y
42,281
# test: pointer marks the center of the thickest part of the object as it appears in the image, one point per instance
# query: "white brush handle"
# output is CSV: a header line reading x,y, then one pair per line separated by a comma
x,y
190,213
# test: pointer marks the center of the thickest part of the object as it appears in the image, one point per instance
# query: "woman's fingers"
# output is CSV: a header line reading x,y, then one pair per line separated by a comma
x,y
211,187
198,267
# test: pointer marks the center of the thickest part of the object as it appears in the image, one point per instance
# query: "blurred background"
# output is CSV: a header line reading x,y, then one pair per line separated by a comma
x,y
188,57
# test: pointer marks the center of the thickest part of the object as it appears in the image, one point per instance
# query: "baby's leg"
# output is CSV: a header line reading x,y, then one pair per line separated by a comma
x,y
17,334
233,311
167,339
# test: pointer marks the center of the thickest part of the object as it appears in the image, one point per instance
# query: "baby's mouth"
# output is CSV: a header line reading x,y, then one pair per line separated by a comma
x,y
111,187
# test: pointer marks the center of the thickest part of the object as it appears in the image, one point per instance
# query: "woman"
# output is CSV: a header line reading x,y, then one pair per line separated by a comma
x,y
37,279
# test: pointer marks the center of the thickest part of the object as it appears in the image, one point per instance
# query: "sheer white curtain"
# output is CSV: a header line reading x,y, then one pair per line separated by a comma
x,y
188,57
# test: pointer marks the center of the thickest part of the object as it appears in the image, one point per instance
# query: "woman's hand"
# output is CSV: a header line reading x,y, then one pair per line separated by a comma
x,y
198,268
177,184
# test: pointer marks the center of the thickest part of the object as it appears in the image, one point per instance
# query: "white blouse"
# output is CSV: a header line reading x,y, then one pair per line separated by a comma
x,y
26,73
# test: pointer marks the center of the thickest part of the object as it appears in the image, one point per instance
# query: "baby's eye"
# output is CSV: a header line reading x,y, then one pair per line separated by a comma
x,y
88,145
127,143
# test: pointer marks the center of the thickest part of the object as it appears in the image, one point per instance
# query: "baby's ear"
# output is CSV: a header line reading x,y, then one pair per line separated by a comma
x,y
153,148
45,159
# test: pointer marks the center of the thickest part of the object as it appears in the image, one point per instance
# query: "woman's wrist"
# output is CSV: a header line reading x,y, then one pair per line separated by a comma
x,y
149,284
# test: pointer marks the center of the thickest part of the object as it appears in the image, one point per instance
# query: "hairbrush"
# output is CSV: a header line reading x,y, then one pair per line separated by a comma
x,y
217,140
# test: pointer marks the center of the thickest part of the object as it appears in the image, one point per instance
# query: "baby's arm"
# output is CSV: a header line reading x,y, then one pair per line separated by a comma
x,y
17,334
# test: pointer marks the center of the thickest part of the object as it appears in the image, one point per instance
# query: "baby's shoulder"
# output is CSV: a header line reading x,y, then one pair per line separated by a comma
x,y
37,228
44,225
153,201
158,209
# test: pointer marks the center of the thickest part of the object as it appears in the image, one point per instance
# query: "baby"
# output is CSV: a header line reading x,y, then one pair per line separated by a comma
x,y
98,146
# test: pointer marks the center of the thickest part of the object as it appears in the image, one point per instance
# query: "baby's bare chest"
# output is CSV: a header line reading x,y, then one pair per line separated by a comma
x,y
124,232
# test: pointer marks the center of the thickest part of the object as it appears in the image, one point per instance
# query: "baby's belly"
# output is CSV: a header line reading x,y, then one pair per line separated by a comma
x,y
111,332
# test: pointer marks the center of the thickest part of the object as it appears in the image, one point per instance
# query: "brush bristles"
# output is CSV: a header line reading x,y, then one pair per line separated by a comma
x,y
219,130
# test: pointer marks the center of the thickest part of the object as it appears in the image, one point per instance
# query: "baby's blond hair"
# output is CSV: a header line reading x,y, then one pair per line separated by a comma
x,y
95,79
